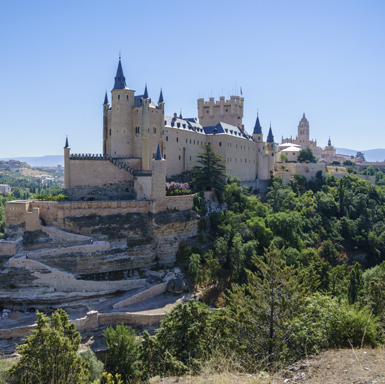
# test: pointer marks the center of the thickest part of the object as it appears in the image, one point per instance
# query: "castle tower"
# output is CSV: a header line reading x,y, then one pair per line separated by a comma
x,y
145,130
121,130
303,138
161,107
270,150
158,186
67,150
211,113
258,138
106,106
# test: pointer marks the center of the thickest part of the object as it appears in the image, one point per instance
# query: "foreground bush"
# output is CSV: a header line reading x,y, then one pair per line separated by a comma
x,y
49,355
324,322
96,367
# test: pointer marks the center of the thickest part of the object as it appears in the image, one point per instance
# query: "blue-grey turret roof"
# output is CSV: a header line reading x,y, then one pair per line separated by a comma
x,y
145,96
105,99
270,137
120,80
257,127
158,154
66,146
329,142
161,97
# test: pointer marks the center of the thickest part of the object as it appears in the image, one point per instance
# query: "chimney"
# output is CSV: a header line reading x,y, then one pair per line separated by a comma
x,y
175,116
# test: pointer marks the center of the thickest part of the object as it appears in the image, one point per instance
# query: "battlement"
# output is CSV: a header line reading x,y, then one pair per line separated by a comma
x,y
212,112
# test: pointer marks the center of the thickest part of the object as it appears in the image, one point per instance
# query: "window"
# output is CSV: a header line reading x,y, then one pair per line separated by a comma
x,y
190,141
154,130
137,129
179,157
186,141
110,132
153,156
245,160
259,137
236,145
118,97
127,97
227,110
259,149
166,138
220,144
194,142
164,156
190,157
207,111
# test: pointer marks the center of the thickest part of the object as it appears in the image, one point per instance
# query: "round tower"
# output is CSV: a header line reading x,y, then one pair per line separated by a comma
x,y
158,182
270,151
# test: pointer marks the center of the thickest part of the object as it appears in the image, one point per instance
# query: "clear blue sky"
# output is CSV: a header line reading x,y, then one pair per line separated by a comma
x,y
324,58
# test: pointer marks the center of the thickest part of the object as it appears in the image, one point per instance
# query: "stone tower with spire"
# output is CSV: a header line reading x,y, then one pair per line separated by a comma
x,y
303,138
270,151
132,124
67,150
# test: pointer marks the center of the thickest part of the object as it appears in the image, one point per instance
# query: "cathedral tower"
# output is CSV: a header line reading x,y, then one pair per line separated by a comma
x,y
303,138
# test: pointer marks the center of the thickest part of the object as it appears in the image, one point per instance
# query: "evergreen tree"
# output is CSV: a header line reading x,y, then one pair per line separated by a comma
x,y
211,173
260,312
306,155
49,355
355,283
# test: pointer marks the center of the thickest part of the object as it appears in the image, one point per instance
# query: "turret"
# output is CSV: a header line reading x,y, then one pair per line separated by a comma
x,y
120,133
257,133
67,150
270,150
105,123
158,189
145,129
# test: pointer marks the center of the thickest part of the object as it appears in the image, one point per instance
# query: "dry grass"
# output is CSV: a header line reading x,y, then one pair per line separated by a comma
x,y
332,367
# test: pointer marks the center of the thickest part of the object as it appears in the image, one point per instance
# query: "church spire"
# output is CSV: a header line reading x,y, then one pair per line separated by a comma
x,y
270,137
105,99
329,142
161,97
66,146
120,80
257,127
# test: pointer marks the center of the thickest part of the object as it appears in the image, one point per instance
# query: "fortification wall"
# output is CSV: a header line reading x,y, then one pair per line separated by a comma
x,y
10,248
88,172
308,170
340,175
181,203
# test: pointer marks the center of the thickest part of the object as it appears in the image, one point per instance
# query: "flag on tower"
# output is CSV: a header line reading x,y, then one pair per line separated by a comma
x,y
241,91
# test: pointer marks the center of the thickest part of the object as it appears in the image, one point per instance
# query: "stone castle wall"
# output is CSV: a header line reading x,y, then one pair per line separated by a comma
x,y
308,170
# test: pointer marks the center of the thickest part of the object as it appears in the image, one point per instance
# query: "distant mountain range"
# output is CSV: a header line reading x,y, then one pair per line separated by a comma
x,y
43,161
370,154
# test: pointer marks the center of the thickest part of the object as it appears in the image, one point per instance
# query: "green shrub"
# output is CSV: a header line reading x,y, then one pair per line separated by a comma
x,y
122,351
324,322
96,366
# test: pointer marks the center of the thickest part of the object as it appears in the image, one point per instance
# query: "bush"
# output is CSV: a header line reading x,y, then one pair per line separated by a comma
x,y
96,367
324,322
49,355
122,351
175,188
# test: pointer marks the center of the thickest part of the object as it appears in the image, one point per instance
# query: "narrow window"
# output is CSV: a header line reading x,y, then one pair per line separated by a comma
x,y
186,141
194,142
118,97
190,157
127,97
179,157
166,138
154,130
110,132
177,140
190,141
220,144
164,156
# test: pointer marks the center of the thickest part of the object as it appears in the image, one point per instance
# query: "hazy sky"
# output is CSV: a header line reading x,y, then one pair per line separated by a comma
x,y
324,58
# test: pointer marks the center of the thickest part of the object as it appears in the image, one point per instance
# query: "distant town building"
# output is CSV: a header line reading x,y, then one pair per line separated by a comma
x,y
5,188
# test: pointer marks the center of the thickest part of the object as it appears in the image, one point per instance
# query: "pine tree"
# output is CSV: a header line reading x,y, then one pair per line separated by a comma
x,y
355,283
49,355
211,173
260,312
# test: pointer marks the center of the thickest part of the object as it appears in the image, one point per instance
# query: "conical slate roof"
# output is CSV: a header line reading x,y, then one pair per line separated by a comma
x,y
105,99
158,155
145,95
120,80
257,127
66,146
161,97
270,137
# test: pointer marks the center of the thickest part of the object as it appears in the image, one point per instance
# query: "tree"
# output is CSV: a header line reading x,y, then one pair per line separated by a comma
x,y
347,162
49,355
96,367
211,173
306,155
337,163
355,283
260,312
122,351
360,155
283,158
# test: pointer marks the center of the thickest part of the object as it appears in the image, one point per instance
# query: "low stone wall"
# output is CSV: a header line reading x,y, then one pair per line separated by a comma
x,y
8,248
309,170
58,235
103,208
66,282
340,175
181,203
92,321
129,318
148,293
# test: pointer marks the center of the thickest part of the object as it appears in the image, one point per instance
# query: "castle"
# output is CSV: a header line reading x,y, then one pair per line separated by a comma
x,y
135,128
